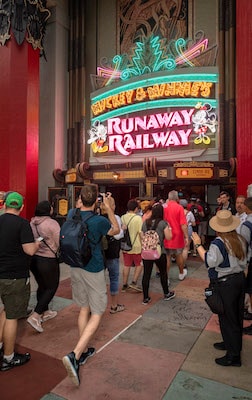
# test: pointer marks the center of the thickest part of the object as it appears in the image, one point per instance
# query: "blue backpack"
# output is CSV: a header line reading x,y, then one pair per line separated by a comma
x,y
75,249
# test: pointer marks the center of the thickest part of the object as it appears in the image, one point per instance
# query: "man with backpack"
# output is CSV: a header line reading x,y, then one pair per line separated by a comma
x,y
88,281
132,222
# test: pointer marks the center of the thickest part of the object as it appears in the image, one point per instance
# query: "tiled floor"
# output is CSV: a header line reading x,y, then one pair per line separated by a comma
x,y
162,351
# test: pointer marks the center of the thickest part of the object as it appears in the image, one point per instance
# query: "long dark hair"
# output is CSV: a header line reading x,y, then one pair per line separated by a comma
x,y
157,215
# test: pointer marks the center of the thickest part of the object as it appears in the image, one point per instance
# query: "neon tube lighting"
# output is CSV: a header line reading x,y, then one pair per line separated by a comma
x,y
152,105
156,80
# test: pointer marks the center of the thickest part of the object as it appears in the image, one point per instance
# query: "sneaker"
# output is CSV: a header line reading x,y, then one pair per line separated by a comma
x,y
84,357
185,271
146,301
182,276
49,314
72,366
169,296
194,254
124,288
134,286
118,308
17,361
35,323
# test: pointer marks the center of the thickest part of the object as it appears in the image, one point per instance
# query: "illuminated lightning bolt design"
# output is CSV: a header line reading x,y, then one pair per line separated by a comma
x,y
143,62
167,63
111,74
191,53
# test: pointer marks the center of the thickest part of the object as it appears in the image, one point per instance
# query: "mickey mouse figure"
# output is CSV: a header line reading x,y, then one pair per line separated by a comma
x,y
203,120
98,136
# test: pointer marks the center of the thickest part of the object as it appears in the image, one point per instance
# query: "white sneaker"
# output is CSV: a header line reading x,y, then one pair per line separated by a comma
x,y
49,314
185,272
182,276
35,323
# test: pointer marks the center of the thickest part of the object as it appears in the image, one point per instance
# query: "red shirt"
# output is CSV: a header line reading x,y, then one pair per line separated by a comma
x,y
174,214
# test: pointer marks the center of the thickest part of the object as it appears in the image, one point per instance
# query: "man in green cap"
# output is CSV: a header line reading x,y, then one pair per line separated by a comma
x,y
16,245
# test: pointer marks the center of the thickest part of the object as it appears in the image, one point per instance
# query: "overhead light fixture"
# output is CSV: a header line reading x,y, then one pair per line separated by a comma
x,y
116,176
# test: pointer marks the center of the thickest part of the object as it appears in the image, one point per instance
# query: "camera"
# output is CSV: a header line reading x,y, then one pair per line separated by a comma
x,y
101,195
99,198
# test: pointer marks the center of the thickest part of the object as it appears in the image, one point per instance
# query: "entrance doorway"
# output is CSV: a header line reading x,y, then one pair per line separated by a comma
x,y
185,191
122,194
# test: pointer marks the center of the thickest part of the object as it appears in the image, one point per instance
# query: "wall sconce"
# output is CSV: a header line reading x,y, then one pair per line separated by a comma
x,y
116,176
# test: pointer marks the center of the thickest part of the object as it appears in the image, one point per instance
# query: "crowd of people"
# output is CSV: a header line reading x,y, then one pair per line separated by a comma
x,y
181,226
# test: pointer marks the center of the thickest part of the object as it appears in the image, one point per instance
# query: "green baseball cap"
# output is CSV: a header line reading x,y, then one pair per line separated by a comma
x,y
14,200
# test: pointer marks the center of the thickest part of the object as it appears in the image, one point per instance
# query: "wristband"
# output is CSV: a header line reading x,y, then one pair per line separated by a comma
x,y
198,245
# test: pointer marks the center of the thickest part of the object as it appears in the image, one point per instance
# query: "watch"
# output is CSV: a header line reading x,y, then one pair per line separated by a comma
x,y
198,245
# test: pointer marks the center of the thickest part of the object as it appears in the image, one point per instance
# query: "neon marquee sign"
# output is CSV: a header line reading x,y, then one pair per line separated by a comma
x,y
161,130
159,91
165,90
150,106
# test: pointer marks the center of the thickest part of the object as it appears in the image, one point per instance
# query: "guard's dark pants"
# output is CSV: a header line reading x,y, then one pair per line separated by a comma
x,y
46,272
231,322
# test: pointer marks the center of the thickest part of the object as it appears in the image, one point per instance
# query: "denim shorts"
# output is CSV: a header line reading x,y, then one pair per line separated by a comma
x,y
113,267
15,295
173,251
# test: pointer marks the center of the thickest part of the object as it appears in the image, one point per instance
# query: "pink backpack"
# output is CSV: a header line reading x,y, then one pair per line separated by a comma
x,y
151,249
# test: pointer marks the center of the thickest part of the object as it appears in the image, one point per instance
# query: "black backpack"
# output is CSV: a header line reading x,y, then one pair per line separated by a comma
x,y
126,244
206,210
75,249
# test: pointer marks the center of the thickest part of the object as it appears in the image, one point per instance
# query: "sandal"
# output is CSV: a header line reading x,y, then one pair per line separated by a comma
x,y
118,308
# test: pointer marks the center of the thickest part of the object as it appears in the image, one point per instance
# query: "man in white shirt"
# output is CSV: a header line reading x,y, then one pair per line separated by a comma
x,y
240,208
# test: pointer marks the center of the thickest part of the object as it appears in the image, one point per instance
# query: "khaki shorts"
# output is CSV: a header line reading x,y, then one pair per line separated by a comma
x,y
15,295
89,290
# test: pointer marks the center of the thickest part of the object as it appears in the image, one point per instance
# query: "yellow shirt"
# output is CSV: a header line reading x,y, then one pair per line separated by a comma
x,y
135,227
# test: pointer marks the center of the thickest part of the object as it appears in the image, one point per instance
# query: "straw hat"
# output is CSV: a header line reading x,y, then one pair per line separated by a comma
x,y
144,204
224,221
